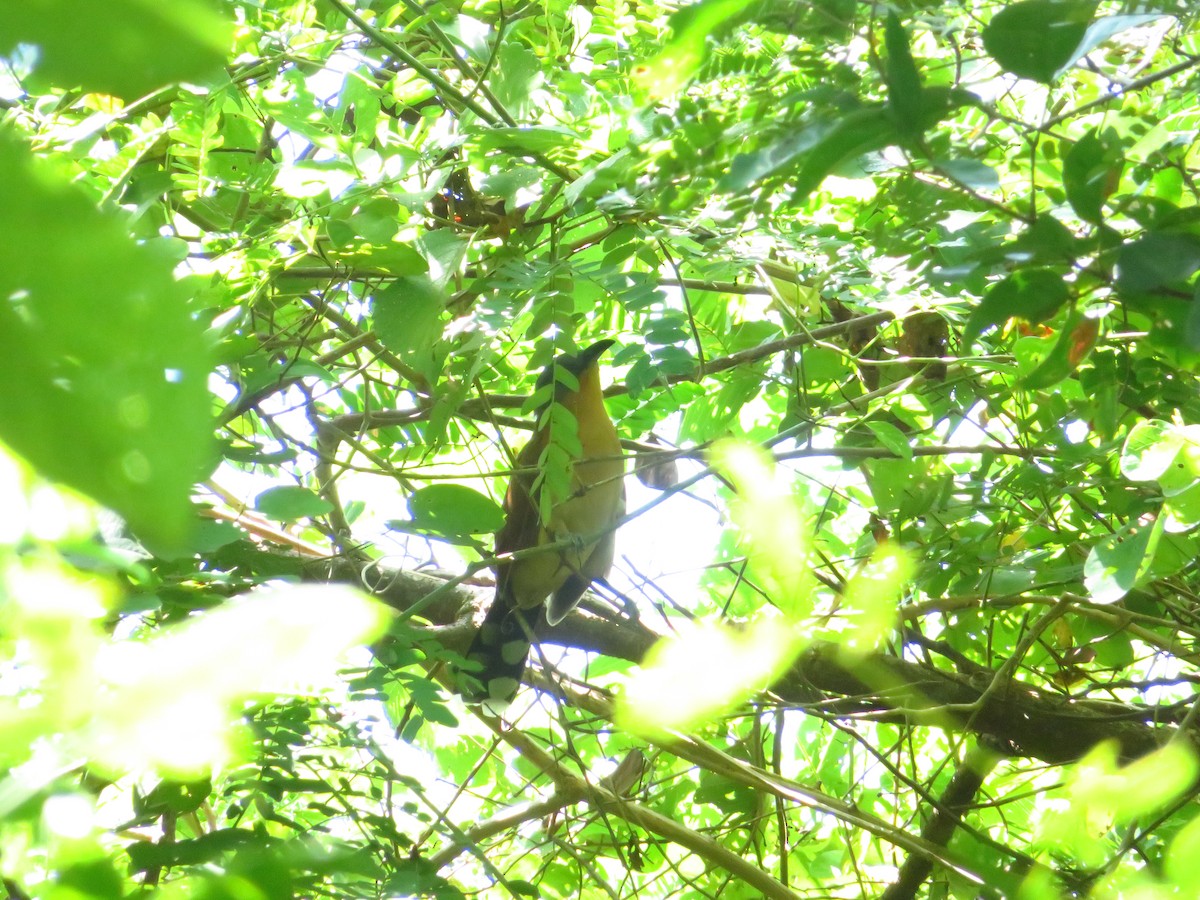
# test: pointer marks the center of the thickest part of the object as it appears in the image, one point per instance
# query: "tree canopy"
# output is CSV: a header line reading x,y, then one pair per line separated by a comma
x,y
905,307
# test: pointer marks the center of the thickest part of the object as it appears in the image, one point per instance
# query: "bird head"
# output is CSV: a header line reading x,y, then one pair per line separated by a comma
x,y
575,363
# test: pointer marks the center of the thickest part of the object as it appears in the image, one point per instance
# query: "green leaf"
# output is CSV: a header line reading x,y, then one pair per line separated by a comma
x,y
408,316
891,437
971,172
194,851
1149,450
287,503
747,168
1106,27
1091,170
856,133
903,80
600,178
1117,561
528,139
94,878
706,670
122,47
112,368
1075,341
453,509
1157,260
210,536
1038,39
1182,861
520,73
1031,294
393,257
678,61
904,487
1183,508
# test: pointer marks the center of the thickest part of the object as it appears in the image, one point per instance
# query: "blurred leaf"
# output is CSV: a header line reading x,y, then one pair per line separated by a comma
x,y
453,509
409,317
1091,171
94,46
854,134
1099,787
91,878
211,535
1031,294
111,366
891,437
872,597
771,516
287,503
903,80
163,703
1038,39
678,61
705,671
1157,260
1182,861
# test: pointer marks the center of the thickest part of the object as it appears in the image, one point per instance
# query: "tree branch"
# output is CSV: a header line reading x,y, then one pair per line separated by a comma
x,y
1025,720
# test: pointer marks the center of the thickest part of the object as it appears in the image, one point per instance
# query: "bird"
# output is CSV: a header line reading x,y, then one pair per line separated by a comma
x,y
567,490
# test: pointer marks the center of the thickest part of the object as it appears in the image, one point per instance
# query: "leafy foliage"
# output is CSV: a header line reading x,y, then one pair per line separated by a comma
x,y
279,279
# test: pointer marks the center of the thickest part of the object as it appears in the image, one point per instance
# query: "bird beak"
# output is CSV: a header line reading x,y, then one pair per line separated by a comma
x,y
593,353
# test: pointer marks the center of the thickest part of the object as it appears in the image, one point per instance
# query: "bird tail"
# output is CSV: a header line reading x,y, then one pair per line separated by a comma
x,y
500,651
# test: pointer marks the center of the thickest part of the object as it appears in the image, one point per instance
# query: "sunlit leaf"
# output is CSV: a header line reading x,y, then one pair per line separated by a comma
x,y
771,516
1116,562
678,61
891,437
409,318
167,703
528,139
873,595
1150,448
706,670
